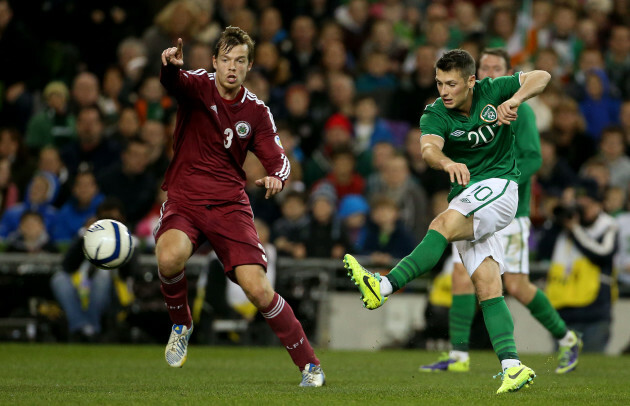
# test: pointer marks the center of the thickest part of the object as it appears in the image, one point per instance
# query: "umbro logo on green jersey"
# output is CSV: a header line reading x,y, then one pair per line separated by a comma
x,y
458,133
489,114
465,200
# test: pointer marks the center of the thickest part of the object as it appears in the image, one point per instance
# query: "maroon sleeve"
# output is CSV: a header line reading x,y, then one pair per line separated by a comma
x,y
183,84
267,147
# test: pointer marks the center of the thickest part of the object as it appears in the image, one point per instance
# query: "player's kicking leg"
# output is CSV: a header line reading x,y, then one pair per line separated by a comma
x,y
369,283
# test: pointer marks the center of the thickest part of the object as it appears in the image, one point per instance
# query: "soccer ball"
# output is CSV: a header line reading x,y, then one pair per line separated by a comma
x,y
108,244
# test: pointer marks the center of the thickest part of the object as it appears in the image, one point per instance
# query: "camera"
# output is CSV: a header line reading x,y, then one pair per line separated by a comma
x,y
563,213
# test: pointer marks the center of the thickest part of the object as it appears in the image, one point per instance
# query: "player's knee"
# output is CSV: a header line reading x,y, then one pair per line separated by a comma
x,y
439,224
512,287
260,296
170,261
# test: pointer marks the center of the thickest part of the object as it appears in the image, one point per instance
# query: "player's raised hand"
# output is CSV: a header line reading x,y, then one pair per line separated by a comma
x,y
273,185
174,55
458,173
506,113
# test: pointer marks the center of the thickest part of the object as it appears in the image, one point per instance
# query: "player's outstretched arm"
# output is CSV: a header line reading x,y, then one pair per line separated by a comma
x,y
272,184
431,146
174,55
532,84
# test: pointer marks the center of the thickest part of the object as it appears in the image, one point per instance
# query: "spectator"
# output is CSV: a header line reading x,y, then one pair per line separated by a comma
x,y
377,77
179,19
612,150
383,40
50,161
82,206
555,174
325,238
85,91
153,103
343,175
291,230
353,212
12,148
41,192
568,129
335,59
274,67
54,125
418,90
599,107
624,120
271,27
113,98
354,18
396,183
300,120
341,91
387,237
154,136
91,147
130,181
618,58
302,54
85,292
431,180
579,282
9,194
337,135
380,153
128,126
31,236
200,57
369,128
15,78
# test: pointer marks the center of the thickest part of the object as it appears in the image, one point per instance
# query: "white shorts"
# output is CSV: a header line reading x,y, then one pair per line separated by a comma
x,y
492,203
514,239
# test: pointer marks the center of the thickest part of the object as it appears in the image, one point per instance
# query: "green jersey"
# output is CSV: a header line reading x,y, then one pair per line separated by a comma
x,y
528,155
477,141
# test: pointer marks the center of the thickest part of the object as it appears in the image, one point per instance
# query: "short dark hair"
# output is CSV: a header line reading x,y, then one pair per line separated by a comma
x,y
500,52
457,59
231,37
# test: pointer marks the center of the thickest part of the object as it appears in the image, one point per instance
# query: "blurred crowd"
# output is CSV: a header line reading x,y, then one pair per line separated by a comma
x,y
83,115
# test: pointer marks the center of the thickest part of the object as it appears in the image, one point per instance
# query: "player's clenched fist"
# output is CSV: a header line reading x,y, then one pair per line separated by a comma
x,y
506,112
272,184
458,172
174,55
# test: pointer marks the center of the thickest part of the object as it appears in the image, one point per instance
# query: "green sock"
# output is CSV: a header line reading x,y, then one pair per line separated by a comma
x,y
500,327
543,311
421,260
460,319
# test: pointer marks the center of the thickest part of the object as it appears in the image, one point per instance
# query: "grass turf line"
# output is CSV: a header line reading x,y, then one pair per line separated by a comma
x,y
42,374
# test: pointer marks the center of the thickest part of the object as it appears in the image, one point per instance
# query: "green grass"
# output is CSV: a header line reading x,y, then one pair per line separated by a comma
x,y
40,374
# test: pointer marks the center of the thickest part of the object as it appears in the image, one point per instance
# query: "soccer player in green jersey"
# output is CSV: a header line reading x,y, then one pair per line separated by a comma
x,y
466,133
494,63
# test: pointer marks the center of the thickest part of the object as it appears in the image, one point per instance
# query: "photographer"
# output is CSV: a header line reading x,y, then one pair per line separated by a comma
x,y
579,282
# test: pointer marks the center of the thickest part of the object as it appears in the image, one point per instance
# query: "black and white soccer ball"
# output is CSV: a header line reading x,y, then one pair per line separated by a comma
x,y
108,244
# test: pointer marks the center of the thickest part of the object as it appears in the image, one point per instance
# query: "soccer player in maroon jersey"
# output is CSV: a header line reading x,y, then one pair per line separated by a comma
x,y
218,121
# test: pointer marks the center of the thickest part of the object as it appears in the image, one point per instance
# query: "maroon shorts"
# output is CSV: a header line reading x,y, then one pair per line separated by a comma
x,y
228,227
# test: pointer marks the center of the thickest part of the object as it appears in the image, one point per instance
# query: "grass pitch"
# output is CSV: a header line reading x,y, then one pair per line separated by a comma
x,y
37,374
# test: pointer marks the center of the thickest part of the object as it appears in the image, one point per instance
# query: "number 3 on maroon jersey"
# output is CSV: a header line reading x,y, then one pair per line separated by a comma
x,y
229,134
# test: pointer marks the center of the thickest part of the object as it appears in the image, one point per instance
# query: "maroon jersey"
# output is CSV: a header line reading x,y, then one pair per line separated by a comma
x,y
211,139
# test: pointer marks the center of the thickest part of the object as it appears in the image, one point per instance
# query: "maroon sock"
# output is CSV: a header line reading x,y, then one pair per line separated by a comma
x,y
282,321
175,291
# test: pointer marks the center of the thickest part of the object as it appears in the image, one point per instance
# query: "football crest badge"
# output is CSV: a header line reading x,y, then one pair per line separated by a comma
x,y
489,114
243,129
